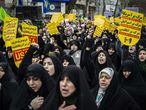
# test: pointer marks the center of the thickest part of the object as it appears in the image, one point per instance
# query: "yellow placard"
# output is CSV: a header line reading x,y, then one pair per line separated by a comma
x,y
29,30
9,29
130,27
99,16
117,21
144,21
70,17
112,19
99,21
52,28
57,18
19,48
107,24
98,31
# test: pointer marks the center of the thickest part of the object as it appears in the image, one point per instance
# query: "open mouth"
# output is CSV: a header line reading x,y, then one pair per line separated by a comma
x,y
64,91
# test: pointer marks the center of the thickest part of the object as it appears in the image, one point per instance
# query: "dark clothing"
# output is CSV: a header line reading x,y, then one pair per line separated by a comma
x,y
116,60
142,66
134,84
115,98
81,97
120,100
87,63
7,89
27,60
25,94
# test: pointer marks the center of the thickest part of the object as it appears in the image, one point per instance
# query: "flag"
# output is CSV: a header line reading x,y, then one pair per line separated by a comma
x,y
3,14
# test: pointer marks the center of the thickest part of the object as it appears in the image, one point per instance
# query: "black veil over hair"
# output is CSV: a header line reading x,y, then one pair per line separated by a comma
x,y
85,100
135,76
58,66
98,66
142,65
25,94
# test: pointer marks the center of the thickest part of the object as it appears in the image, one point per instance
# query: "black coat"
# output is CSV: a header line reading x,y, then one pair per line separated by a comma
x,y
134,84
142,66
7,89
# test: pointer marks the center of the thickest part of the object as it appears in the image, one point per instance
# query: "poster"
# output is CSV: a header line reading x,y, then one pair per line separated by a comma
x,y
19,48
130,27
9,29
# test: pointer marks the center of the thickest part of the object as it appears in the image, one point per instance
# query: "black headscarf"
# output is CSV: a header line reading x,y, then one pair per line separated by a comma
x,y
142,65
115,58
134,84
98,66
25,94
83,99
69,59
58,66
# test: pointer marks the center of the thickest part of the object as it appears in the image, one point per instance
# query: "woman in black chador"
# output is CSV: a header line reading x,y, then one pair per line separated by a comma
x,y
33,90
108,95
131,80
72,92
8,86
142,63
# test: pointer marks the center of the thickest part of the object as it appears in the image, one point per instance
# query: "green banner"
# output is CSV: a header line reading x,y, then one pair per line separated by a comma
x,y
3,14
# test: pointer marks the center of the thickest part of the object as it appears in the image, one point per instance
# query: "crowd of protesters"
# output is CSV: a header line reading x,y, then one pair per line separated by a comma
x,y
73,70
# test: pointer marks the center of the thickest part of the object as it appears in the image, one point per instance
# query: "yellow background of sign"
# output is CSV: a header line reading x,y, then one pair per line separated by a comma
x,y
29,30
144,21
52,28
98,31
57,18
70,17
20,43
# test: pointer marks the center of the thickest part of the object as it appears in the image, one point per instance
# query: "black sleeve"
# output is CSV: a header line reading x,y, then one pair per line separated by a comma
x,y
87,64
27,60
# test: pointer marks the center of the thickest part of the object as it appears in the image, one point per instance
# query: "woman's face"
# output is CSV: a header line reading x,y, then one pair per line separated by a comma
x,y
132,49
66,87
49,66
74,47
104,80
65,63
142,55
126,73
1,72
111,51
101,58
10,54
34,83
